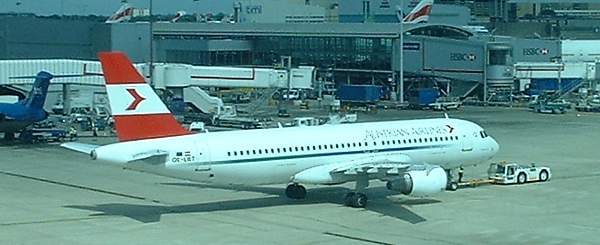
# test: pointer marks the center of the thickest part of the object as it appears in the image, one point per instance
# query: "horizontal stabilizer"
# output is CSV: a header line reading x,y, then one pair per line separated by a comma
x,y
80,147
152,157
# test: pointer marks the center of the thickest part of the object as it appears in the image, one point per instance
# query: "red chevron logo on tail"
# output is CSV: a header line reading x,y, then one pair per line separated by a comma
x,y
137,99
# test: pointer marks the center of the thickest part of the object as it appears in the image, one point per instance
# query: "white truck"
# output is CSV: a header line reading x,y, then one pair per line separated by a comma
x,y
446,103
513,173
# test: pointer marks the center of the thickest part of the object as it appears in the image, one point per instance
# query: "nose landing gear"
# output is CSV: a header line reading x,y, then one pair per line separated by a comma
x,y
452,185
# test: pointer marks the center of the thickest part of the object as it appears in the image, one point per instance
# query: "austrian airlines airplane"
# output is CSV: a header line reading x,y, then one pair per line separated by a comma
x,y
412,156
419,14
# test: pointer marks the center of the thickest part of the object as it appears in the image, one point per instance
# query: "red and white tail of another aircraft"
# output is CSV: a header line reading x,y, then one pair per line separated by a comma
x,y
411,156
419,14
124,13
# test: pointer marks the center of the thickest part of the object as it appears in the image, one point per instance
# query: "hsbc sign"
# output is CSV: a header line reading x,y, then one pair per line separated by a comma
x,y
535,51
462,57
254,9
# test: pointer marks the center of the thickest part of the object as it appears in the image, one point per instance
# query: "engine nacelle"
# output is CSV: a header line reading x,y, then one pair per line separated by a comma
x,y
420,182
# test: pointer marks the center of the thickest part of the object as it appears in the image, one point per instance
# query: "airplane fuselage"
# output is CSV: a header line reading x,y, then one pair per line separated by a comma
x,y
17,116
269,156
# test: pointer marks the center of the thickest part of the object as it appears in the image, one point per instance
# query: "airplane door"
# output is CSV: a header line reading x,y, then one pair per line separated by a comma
x,y
203,164
510,172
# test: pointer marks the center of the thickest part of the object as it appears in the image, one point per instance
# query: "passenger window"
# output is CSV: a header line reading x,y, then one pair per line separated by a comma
x,y
296,148
291,149
348,145
404,141
394,142
241,153
314,148
319,147
366,143
359,144
228,153
284,150
382,142
354,144
336,146
253,152
374,143
325,146
235,153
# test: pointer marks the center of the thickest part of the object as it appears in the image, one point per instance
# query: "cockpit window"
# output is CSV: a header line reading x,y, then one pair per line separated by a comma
x,y
483,134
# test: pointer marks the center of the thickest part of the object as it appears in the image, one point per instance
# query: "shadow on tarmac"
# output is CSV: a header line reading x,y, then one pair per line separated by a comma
x,y
379,203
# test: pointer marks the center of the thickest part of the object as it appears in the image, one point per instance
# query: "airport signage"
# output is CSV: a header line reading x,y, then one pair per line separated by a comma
x,y
462,57
412,46
254,9
535,51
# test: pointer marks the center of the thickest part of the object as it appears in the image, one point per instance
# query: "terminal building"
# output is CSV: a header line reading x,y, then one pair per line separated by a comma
x,y
347,43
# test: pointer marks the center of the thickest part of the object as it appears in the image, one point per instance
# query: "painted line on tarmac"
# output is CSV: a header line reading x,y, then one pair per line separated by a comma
x,y
356,238
78,186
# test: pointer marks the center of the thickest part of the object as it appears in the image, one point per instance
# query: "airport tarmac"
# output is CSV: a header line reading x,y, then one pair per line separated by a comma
x,y
49,195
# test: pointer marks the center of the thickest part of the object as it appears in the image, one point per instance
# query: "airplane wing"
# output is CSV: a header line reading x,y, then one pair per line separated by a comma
x,y
80,147
376,167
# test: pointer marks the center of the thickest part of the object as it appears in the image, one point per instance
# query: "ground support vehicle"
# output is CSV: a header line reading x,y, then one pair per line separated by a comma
x,y
513,173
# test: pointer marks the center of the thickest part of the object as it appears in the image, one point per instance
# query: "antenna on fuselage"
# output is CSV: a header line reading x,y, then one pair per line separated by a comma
x,y
446,115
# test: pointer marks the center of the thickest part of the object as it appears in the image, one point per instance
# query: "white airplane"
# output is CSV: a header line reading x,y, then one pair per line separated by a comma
x,y
412,156
419,14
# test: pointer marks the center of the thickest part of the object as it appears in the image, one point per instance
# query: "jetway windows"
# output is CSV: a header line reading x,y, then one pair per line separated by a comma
x,y
499,57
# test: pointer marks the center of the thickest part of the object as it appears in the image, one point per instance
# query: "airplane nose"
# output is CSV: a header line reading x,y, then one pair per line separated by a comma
x,y
495,146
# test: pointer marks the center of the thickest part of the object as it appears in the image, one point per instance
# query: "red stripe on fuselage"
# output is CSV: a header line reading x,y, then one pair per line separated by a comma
x,y
148,126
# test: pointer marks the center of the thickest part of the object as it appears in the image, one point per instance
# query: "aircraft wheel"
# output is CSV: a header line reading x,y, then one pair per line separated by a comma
x,y
360,200
348,199
295,191
521,178
452,186
355,200
543,175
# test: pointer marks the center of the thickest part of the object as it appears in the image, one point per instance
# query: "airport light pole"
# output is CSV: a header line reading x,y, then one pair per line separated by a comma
x,y
400,82
151,66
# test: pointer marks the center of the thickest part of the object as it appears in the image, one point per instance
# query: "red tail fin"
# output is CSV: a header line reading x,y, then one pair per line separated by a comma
x,y
138,111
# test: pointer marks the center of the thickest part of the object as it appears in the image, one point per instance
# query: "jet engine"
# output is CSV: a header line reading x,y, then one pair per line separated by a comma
x,y
420,182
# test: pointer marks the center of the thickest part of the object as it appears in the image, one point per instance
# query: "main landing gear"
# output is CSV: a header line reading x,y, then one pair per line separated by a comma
x,y
452,185
295,191
357,198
